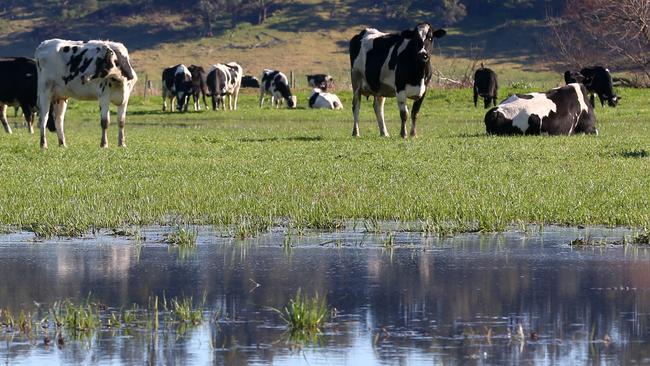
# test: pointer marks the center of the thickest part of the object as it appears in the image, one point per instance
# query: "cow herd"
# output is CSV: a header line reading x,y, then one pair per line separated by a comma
x,y
382,65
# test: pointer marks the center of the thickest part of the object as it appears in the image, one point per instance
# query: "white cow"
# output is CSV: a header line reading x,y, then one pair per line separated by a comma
x,y
319,99
276,84
93,70
224,80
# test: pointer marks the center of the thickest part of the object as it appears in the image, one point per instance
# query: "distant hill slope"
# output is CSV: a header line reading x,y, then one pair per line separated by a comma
x,y
304,36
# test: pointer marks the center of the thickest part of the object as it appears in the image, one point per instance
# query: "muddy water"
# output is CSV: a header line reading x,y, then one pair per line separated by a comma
x,y
455,301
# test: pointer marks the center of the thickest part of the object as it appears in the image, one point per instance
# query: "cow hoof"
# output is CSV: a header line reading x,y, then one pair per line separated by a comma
x,y
103,146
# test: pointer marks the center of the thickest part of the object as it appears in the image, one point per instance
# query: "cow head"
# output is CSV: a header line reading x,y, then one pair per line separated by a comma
x,y
292,101
182,87
423,36
613,100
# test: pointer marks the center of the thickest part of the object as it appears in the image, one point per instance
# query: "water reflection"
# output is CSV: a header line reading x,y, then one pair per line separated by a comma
x,y
456,300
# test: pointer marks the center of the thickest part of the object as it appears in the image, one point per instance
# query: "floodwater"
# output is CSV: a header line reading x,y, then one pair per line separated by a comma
x,y
512,298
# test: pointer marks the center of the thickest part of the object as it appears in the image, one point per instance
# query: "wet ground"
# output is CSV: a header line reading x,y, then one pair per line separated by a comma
x,y
512,298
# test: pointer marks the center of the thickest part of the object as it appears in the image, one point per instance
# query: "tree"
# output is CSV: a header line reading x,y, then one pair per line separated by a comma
x,y
451,11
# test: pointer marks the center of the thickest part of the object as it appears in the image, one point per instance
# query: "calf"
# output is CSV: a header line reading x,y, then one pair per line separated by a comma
x,y
276,84
248,81
598,80
560,111
18,88
485,86
321,81
199,86
319,99
177,84
93,70
391,65
225,81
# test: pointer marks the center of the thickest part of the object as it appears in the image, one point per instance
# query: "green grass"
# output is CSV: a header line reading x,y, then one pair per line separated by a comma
x,y
305,315
301,168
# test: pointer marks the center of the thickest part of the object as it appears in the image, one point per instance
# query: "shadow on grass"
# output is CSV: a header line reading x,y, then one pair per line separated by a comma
x,y
634,154
274,139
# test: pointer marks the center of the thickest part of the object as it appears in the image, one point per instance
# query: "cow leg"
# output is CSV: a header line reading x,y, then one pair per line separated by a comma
x,y
214,103
414,115
356,104
486,102
230,102
3,118
592,101
59,108
121,121
475,97
28,114
378,105
44,100
104,114
494,101
236,95
403,112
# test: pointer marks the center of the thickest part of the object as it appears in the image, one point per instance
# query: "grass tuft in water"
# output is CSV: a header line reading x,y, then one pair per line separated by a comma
x,y
78,320
183,310
305,315
184,237
641,238
587,241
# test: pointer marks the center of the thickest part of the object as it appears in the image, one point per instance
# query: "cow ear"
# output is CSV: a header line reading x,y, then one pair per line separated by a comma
x,y
439,33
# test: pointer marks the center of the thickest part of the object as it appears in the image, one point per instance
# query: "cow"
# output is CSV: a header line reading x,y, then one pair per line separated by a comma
x,y
276,84
321,81
392,65
92,70
485,86
224,80
177,84
320,99
560,111
598,80
18,88
199,86
249,81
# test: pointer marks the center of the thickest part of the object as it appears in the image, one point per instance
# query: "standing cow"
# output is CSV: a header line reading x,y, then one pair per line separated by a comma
x,y
18,88
224,80
177,84
391,65
320,99
485,86
598,80
560,111
276,84
199,86
93,70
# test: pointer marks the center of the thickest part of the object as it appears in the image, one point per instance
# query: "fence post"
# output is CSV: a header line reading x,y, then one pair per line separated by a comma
x,y
146,86
292,81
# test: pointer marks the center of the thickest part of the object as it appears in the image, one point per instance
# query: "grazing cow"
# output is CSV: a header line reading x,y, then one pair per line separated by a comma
x,y
321,81
225,81
319,99
199,86
598,80
93,70
18,88
560,111
177,84
249,81
276,84
391,65
485,86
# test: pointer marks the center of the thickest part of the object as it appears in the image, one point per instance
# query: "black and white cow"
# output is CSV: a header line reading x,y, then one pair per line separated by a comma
x,y
177,84
199,86
276,84
249,81
323,82
320,99
598,80
224,80
391,65
18,85
560,111
485,86
93,70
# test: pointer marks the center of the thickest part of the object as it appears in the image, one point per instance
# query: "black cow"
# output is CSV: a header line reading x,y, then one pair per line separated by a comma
x,y
598,80
321,81
199,86
560,111
276,84
18,88
249,81
177,84
485,86
392,65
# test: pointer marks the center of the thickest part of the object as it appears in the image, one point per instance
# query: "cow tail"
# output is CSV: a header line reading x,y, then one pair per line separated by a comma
x,y
50,121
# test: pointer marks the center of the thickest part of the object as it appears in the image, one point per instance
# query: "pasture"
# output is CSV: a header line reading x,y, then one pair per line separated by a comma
x,y
302,169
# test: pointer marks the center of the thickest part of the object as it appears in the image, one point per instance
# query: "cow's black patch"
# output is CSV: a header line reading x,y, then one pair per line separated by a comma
x,y
75,49
66,49
312,99
355,47
123,64
525,96
377,56
282,87
75,65
267,78
103,64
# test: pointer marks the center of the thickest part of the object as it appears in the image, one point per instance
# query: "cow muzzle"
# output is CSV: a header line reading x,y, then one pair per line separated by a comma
x,y
423,56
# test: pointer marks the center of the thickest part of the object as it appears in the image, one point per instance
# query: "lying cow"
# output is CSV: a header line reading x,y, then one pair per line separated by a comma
x,y
598,80
177,85
485,86
93,70
18,88
276,84
321,81
560,111
199,86
225,81
391,65
320,99
249,81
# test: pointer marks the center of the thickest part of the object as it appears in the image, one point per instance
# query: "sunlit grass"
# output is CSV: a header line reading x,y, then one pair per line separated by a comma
x,y
305,315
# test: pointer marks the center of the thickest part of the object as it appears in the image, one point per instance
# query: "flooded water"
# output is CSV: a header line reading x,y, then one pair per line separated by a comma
x,y
473,299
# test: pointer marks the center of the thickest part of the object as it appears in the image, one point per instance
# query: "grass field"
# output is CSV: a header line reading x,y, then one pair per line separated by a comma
x,y
253,168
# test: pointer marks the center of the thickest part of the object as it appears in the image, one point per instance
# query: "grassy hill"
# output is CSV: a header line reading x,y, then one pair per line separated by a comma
x,y
304,36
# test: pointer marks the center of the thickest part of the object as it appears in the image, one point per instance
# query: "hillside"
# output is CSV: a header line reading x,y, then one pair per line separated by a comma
x,y
304,36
